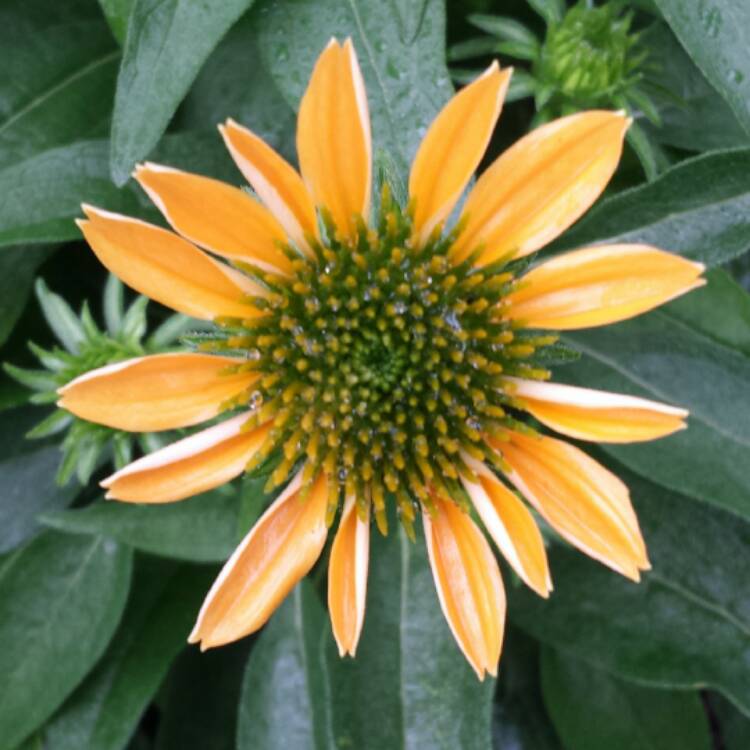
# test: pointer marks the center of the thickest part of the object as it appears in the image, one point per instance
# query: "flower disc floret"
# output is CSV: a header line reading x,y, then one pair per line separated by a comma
x,y
382,363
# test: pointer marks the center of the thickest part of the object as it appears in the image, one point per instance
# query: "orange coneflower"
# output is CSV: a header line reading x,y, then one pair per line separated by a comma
x,y
385,361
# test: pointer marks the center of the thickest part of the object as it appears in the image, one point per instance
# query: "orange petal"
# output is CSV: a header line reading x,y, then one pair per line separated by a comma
x,y
600,285
536,189
586,504
192,465
333,137
275,180
279,550
453,147
216,216
347,577
597,415
163,266
159,392
468,584
511,526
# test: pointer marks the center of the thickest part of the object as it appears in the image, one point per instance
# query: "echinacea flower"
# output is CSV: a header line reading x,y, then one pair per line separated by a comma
x,y
385,360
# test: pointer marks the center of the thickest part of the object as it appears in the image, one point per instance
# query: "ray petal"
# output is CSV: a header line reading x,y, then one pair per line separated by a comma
x,y
218,217
333,137
599,416
468,584
511,526
279,550
584,502
453,147
275,180
347,577
158,392
167,268
542,184
596,286
194,464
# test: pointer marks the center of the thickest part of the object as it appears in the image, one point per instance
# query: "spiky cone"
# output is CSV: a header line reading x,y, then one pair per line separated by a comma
x,y
387,360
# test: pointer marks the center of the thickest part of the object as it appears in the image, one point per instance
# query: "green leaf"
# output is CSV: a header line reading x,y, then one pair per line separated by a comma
x,y
734,727
694,117
505,28
699,208
60,318
202,528
61,598
406,78
720,310
649,154
202,699
592,710
671,355
104,711
552,11
18,268
59,66
114,305
687,624
283,702
408,666
167,42
235,83
716,35
521,721
468,49
43,194
117,13
27,479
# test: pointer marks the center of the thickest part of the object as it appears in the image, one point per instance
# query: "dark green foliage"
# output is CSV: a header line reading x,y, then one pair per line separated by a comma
x,y
97,599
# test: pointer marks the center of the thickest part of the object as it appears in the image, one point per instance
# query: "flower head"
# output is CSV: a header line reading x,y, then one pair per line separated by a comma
x,y
84,347
383,357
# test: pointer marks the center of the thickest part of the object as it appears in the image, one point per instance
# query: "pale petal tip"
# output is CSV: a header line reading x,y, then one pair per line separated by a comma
x,y
493,67
195,636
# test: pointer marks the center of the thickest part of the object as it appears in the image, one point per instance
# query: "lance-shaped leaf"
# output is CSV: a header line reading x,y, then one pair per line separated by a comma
x,y
61,598
592,709
717,36
167,42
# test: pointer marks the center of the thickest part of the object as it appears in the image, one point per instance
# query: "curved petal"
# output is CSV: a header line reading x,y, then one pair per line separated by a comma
x,y
333,137
159,392
597,415
586,504
275,180
279,550
537,188
511,526
453,147
468,584
195,464
600,285
163,266
216,216
347,577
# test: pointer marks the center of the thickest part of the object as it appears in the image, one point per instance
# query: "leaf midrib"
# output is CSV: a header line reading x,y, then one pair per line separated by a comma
x,y
56,88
